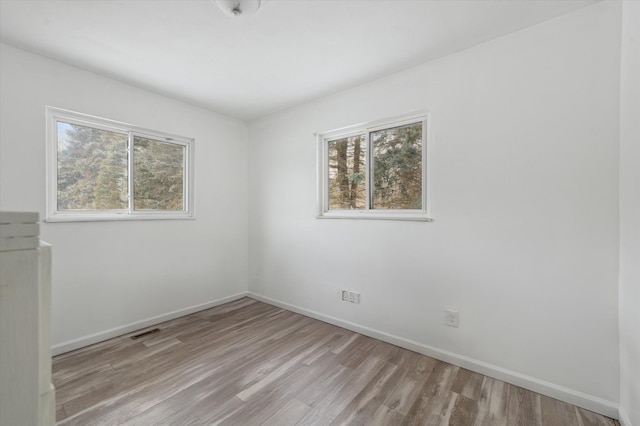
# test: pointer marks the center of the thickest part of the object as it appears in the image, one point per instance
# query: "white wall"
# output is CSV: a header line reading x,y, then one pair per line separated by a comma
x,y
107,275
524,193
630,215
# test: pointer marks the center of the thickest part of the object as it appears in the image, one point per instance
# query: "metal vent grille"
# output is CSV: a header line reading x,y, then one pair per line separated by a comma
x,y
145,333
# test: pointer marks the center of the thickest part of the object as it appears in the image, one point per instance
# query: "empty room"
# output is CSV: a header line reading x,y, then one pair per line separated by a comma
x,y
320,212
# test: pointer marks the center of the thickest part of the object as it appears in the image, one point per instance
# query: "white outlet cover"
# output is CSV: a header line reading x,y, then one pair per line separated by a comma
x,y
451,318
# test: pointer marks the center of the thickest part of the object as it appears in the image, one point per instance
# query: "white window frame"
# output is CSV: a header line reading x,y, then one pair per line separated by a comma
x,y
54,215
323,139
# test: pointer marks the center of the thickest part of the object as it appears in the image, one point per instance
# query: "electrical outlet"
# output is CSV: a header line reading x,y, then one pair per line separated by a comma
x,y
451,318
349,296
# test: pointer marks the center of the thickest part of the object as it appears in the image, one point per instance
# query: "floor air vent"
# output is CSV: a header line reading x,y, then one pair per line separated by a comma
x,y
145,333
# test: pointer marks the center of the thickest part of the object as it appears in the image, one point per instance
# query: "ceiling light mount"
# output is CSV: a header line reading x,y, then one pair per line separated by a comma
x,y
239,8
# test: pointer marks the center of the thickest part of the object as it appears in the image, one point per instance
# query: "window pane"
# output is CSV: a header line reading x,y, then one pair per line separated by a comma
x,y
92,168
347,173
397,167
158,175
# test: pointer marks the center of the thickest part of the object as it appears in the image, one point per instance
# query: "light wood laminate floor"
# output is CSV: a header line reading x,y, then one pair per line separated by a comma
x,y
250,363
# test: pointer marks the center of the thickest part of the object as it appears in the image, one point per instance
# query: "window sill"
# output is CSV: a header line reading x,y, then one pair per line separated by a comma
x,y
116,217
368,215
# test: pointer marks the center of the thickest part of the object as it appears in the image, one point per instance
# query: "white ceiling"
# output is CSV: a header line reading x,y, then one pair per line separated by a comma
x,y
290,52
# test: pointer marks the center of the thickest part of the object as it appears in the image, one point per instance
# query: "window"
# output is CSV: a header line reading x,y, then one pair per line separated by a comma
x,y
105,170
374,171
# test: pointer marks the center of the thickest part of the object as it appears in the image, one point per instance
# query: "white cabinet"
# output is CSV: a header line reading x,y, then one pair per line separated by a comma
x,y
26,392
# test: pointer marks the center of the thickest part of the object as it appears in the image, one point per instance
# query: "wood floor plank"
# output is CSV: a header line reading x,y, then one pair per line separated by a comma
x,y
468,384
409,386
293,411
434,394
524,407
344,342
333,403
201,399
142,395
68,368
253,414
138,384
365,404
308,377
209,407
317,421
85,384
249,363
333,380
128,381
589,418
221,412
464,412
557,413
458,411
280,371
145,353
359,379
60,413
493,405
411,361
387,416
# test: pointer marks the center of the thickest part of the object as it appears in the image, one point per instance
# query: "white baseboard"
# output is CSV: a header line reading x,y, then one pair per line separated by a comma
x,y
71,345
589,402
623,417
